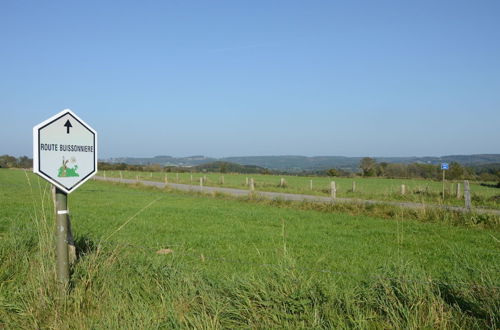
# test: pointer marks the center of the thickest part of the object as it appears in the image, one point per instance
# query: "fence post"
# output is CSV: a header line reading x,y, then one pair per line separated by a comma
x,y
333,189
104,174
222,179
311,184
191,178
467,195
282,182
458,191
353,186
252,185
403,189
177,177
246,182
150,174
166,179
201,184
121,176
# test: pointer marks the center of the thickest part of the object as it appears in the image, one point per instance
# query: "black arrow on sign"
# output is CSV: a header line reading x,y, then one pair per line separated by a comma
x,y
68,125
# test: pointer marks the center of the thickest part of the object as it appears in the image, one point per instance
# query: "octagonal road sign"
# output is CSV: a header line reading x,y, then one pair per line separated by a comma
x,y
65,150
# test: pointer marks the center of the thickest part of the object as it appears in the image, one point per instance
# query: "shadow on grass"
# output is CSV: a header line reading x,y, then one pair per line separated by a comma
x,y
84,246
476,302
490,185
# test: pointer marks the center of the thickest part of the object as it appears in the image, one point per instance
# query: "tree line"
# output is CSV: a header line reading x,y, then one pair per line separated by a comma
x,y
369,167
7,161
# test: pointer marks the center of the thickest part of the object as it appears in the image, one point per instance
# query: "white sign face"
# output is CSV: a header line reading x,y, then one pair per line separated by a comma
x,y
65,150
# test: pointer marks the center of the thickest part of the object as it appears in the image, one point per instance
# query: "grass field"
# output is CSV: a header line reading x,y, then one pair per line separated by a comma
x,y
424,191
236,264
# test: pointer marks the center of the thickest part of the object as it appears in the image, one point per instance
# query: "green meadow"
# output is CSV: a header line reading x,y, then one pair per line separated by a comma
x,y
416,190
151,258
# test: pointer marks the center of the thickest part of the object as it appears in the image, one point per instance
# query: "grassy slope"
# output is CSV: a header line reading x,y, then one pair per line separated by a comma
x,y
366,188
237,264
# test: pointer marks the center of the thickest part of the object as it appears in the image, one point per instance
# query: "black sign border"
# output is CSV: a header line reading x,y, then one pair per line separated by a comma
x,y
39,152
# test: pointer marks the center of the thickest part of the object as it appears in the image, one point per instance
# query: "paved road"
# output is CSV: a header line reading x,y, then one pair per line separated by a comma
x,y
292,197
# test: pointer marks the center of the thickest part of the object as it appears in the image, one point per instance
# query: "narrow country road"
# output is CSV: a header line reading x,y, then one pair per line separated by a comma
x,y
292,197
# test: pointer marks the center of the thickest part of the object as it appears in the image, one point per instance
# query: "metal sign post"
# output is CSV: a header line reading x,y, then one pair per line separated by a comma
x,y
62,255
65,154
444,168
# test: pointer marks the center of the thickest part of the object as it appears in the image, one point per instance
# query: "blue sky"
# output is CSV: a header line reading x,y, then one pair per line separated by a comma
x,y
233,78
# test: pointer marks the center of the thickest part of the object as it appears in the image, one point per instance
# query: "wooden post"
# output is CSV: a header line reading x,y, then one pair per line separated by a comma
x,y
246,182
121,176
403,189
458,191
201,183
333,189
62,256
104,174
282,182
191,179
467,195
150,174
443,183
353,186
177,177
71,243
222,179
252,185
137,178
311,184
166,179
205,179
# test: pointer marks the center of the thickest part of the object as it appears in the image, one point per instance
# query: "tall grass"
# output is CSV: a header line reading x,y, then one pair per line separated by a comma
x,y
110,290
116,284
424,214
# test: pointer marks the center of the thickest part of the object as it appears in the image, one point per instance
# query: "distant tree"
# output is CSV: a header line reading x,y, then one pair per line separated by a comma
x,y
223,167
266,171
332,172
394,170
121,166
426,171
488,177
368,166
8,161
455,172
25,162
154,168
381,169
336,172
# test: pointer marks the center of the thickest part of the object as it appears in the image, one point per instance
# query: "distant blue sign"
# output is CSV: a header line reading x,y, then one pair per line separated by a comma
x,y
445,166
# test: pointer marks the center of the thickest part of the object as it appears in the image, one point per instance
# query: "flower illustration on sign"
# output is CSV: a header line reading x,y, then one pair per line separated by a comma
x,y
65,171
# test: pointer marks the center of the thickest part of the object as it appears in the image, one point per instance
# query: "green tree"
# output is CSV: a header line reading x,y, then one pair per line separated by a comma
x,y
396,170
381,169
223,167
332,172
25,162
368,166
8,161
455,172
